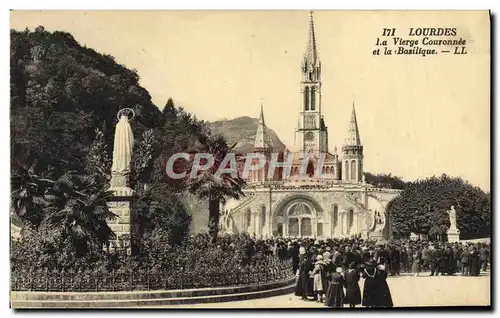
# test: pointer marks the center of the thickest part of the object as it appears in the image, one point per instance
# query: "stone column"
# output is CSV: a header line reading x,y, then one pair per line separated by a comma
x,y
341,223
300,227
346,223
257,223
252,223
269,223
314,225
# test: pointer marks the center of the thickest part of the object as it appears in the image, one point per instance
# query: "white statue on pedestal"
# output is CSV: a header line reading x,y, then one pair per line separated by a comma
x,y
122,153
453,233
453,217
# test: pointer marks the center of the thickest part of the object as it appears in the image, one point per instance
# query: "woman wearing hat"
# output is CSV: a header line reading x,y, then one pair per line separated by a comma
x,y
298,286
335,293
353,292
304,287
376,292
319,278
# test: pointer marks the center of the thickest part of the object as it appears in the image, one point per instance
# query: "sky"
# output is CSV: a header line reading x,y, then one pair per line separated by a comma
x,y
417,116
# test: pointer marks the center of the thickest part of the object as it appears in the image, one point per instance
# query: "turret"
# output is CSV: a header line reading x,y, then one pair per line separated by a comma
x,y
352,152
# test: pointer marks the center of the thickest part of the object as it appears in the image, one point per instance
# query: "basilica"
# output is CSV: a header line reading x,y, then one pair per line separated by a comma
x,y
333,203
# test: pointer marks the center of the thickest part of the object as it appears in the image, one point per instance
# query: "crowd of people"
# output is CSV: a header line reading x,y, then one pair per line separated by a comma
x,y
329,270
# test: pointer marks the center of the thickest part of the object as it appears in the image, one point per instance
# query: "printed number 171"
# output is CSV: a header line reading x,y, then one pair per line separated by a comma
x,y
388,32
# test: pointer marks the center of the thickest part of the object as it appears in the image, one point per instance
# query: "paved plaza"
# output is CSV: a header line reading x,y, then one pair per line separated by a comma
x,y
407,291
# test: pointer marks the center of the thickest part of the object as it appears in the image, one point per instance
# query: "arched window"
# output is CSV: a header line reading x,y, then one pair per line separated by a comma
x,y
350,219
353,170
347,170
306,98
313,98
263,216
248,218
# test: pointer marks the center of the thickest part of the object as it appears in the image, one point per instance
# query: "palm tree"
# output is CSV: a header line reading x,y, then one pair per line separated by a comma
x,y
28,191
208,185
77,208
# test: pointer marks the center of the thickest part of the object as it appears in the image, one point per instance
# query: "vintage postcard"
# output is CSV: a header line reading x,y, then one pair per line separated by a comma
x,y
250,159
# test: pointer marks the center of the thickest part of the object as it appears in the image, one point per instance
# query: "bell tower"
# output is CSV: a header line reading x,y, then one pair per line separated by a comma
x,y
311,133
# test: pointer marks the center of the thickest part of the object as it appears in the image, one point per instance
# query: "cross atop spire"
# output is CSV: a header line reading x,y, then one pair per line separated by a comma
x,y
353,138
311,57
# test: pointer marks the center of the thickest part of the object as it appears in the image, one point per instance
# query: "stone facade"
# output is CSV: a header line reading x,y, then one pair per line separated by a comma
x,y
310,209
325,197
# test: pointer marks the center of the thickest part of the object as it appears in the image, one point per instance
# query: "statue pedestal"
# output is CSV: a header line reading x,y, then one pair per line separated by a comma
x,y
453,235
121,205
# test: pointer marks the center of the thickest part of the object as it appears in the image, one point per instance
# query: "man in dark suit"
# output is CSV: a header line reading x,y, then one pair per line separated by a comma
x,y
436,258
484,254
293,253
464,260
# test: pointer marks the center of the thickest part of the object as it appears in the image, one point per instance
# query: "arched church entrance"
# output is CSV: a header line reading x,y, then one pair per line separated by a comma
x,y
297,216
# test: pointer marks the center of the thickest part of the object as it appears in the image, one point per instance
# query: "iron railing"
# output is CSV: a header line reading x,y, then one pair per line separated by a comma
x,y
143,278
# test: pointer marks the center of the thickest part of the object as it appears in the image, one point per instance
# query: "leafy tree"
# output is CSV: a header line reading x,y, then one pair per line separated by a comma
x,y
97,161
421,208
384,180
142,157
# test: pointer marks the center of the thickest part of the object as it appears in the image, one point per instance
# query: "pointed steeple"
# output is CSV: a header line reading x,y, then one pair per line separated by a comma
x,y
261,138
261,117
311,57
353,138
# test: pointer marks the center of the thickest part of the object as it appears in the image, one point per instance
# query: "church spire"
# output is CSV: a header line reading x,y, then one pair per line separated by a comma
x,y
261,117
261,138
311,57
353,138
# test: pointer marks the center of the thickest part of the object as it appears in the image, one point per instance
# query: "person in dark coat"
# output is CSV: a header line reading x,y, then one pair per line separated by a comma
x,y
475,265
384,293
484,254
335,293
395,259
370,289
353,292
303,288
426,255
436,257
376,292
298,284
449,263
293,253
464,260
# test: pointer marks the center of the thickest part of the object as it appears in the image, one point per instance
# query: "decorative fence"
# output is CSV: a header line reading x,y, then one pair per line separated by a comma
x,y
128,279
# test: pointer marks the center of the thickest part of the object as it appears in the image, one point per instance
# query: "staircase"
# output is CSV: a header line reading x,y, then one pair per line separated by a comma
x,y
148,299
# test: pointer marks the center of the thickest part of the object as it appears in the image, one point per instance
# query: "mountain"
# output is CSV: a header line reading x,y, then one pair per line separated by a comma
x,y
241,131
